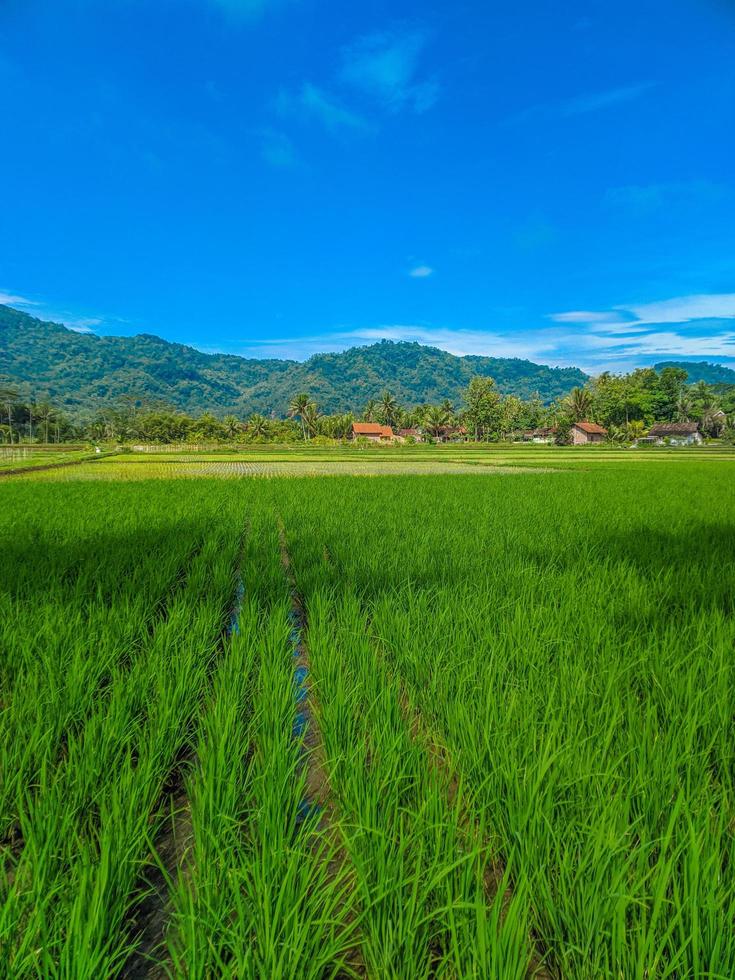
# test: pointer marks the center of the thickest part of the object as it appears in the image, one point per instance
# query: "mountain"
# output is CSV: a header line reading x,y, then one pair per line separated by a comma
x,y
712,374
82,372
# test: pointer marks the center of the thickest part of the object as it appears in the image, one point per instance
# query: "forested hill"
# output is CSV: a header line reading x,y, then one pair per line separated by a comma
x,y
82,372
711,374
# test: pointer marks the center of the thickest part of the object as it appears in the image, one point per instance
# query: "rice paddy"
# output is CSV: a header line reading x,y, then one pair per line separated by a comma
x,y
398,727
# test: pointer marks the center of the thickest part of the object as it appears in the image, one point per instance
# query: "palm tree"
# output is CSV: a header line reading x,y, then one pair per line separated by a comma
x,y
435,419
448,408
8,397
684,406
579,402
390,410
299,404
371,411
704,394
232,426
635,430
258,425
45,413
310,419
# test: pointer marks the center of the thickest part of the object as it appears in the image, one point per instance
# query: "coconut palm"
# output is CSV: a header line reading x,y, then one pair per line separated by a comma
x,y
232,425
258,425
45,414
298,405
579,402
371,411
704,394
8,397
435,419
390,410
684,406
310,419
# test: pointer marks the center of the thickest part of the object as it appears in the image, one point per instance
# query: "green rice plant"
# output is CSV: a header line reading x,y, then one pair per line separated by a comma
x,y
260,896
421,877
87,826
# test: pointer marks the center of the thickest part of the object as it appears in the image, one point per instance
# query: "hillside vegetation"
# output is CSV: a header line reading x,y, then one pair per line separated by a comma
x,y
84,372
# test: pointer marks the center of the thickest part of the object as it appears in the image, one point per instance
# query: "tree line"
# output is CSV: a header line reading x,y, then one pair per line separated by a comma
x,y
626,405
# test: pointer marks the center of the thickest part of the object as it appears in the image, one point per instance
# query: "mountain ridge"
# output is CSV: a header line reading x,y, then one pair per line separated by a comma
x,y
84,371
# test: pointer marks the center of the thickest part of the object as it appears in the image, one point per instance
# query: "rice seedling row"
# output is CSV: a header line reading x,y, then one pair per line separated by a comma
x,y
566,637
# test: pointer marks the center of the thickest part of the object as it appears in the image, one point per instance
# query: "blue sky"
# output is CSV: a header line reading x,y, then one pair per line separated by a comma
x,y
281,177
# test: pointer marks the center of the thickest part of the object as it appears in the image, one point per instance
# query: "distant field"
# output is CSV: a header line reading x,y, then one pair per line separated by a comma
x,y
30,457
440,727
372,461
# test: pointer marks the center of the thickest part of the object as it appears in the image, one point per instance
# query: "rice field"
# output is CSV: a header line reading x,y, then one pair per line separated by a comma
x,y
442,727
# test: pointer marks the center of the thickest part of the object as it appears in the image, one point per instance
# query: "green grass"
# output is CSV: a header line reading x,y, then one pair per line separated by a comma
x,y
524,688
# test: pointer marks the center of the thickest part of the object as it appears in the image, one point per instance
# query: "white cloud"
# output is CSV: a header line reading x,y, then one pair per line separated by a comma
x,y
683,309
586,316
594,101
632,316
11,299
421,272
583,104
384,65
312,102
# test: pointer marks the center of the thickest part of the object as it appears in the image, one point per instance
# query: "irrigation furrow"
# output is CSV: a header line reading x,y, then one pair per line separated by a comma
x,y
496,875
318,801
150,920
94,814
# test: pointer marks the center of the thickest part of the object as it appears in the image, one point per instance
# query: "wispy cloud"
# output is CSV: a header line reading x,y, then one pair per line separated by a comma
x,y
594,349
12,299
278,150
313,102
80,324
421,272
587,316
680,309
594,101
644,198
83,324
385,66
585,103
683,309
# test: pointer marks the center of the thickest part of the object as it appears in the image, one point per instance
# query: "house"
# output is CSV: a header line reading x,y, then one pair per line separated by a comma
x,y
411,434
451,433
677,433
372,431
584,433
544,434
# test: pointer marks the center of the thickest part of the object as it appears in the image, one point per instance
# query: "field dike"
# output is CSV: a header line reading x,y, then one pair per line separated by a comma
x,y
439,759
171,849
318,804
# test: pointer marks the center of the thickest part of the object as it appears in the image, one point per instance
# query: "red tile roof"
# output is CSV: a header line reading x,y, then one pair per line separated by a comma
x,y
372,429
591,428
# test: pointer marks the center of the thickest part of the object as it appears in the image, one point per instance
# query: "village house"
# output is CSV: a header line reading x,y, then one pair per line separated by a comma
x,y
543,434
372,431
411,434
584,433
451,433
676,433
